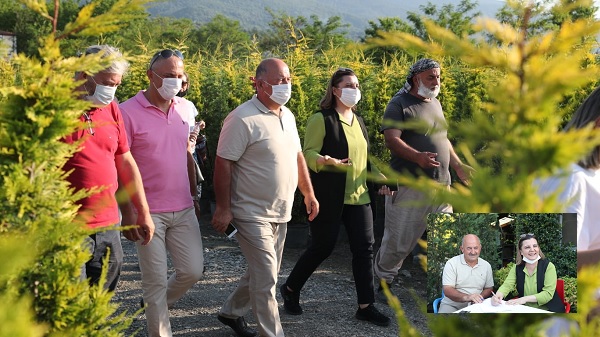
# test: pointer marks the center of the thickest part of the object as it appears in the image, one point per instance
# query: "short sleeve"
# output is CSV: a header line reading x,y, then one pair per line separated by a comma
x,y
393,115
233,139
449,275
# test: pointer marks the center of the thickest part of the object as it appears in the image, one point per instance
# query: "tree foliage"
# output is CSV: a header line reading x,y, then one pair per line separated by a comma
x,y
286,32
504,99
37,110
512,138
457,19
223,33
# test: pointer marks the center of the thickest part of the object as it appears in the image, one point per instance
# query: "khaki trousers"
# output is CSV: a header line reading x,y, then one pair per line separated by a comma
x,y
179,234
262,246
405,221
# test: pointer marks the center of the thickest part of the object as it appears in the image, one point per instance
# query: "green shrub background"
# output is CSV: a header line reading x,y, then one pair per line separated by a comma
x,y
445,232
504,97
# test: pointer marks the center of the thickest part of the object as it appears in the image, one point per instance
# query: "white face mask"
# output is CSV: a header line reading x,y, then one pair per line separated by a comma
x,y
428,93
281,93
170,87
103,94
350,96
531,261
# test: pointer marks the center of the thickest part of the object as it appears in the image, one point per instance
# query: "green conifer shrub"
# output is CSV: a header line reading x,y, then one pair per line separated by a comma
x,y
37,109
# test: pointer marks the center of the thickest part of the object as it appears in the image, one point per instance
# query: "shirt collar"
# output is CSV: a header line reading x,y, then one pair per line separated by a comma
x,y
261,107
463,261
143,101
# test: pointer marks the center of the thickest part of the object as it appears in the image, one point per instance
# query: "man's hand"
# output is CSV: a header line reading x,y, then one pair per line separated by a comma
x,y
197,210
474,298
312,207
221,219
464,172
144,229
427,160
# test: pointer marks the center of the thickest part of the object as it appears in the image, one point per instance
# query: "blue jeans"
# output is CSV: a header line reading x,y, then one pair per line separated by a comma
x,y
100,243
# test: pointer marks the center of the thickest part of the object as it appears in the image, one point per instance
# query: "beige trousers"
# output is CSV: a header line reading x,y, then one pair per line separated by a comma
x,y
262,246
405,221
179,234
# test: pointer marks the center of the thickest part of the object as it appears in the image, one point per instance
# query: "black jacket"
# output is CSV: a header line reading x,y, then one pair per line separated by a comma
x,y
330,186
555,304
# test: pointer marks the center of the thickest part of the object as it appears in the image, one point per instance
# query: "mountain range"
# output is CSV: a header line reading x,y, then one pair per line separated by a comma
x,y
252,14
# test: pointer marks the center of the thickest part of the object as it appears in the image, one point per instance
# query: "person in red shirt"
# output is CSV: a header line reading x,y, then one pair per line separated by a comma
x,y
101,162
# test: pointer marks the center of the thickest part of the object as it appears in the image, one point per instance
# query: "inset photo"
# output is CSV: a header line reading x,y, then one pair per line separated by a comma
x,y
502,263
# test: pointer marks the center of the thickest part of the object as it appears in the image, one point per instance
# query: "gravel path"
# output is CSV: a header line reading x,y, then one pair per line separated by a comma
x,y
328,298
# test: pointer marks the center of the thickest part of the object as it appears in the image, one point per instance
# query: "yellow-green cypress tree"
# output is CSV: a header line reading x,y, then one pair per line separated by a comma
x,y
37,109
513,137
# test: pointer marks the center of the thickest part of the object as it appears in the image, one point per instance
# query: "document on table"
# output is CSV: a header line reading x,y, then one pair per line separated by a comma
x,y
487,307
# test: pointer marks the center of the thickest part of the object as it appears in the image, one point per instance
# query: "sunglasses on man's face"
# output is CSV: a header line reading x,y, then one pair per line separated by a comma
x,y
165,54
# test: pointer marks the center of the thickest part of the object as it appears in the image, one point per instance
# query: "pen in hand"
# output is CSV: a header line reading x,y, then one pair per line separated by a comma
x,y
494,298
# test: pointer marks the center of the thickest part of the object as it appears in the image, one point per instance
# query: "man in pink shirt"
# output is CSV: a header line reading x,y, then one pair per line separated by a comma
x,y
158,136
104,159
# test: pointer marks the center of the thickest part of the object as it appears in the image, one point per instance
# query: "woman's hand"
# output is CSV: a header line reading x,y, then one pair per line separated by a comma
x,y
522,300
385,190
327,160
515,301
497,299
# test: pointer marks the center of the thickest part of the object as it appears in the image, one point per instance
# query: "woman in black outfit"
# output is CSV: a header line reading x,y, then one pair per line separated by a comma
x,y
336,147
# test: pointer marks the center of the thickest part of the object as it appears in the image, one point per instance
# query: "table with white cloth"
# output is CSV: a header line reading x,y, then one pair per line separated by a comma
x,y
486,307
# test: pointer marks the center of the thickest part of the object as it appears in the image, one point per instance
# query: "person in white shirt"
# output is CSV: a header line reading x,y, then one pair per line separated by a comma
x,y
467,278
580,185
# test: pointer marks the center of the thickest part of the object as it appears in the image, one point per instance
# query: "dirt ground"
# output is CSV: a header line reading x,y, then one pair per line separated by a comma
x,y
328,299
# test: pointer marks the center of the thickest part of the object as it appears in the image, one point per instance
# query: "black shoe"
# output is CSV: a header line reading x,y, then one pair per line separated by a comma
x,y
142,304
239,326
291,301
372,315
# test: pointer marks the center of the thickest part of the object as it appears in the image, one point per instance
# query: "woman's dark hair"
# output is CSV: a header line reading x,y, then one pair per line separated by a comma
x,y
588,112
328,101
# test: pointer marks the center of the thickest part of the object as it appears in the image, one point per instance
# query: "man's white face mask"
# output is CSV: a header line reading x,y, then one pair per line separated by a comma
x,y
281,93
169,88
103,94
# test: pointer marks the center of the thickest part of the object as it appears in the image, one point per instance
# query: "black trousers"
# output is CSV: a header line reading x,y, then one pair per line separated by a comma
x,y
358,220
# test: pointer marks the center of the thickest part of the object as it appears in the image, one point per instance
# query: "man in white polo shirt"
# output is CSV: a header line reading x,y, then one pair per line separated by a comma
x,y
258,167
466,278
